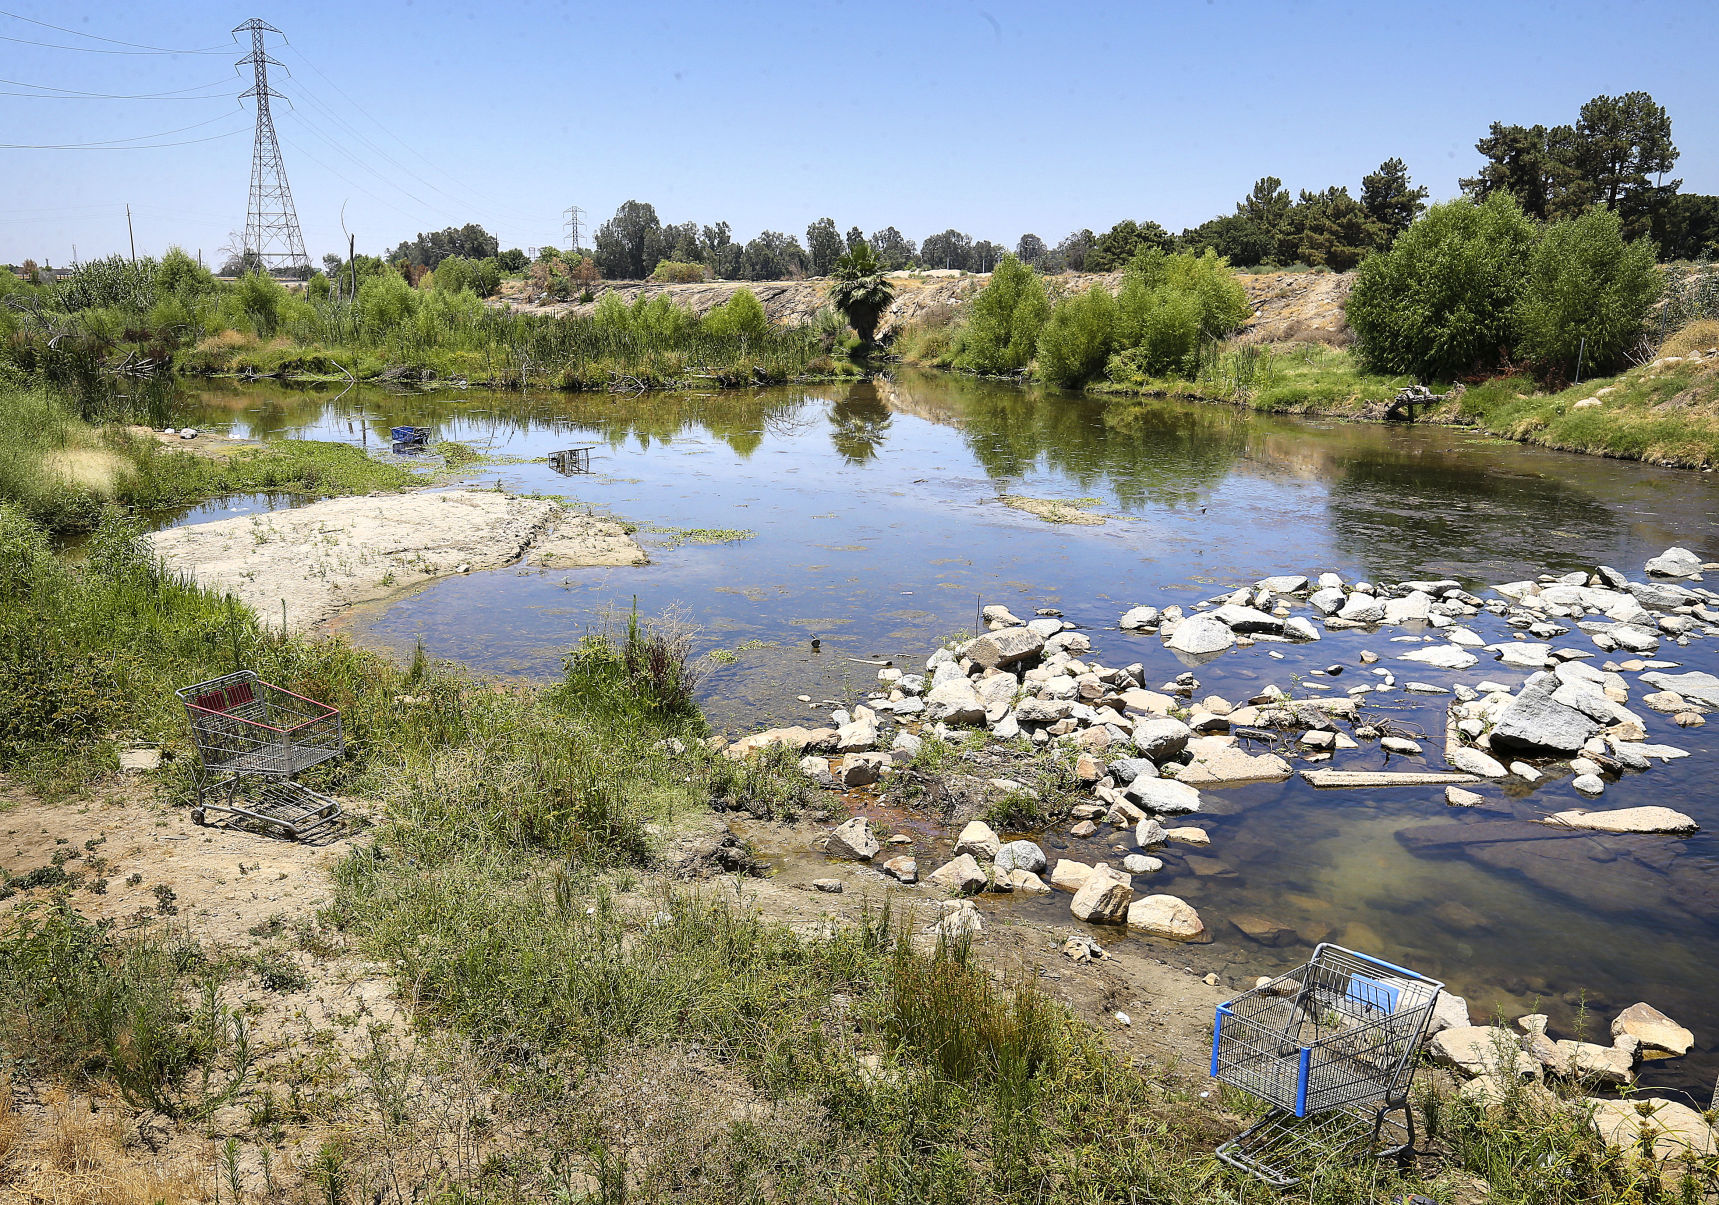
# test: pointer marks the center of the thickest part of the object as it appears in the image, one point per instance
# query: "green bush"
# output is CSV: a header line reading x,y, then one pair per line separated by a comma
x,y
457,273
1588,294
670,271
1443,299
1170,303
1077,338
262,299
741,314
1008,314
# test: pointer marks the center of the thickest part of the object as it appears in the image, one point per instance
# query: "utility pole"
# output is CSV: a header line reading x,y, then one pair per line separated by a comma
x,y
352,263
130,232
573,213
271,223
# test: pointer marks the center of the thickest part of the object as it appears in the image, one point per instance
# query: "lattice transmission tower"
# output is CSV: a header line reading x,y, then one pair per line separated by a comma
x,y
272,235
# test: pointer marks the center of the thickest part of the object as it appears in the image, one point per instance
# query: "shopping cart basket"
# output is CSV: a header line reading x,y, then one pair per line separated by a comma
x,y
1331,1046
245,729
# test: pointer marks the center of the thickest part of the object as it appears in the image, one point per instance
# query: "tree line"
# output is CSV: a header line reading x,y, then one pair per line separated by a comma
x,y
1615,155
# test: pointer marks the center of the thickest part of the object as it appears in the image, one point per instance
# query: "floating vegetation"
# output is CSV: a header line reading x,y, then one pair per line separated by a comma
x,y
1056,510
700,535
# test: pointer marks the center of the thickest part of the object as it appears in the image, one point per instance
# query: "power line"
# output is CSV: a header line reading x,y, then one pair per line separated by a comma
x,y
139,47
144,137
100,146
100,49
50,92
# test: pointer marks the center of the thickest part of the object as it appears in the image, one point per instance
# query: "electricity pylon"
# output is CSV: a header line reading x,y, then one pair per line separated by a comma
x,y
573,214
272,236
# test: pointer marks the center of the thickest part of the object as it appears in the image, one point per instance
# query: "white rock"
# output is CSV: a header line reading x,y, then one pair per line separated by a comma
x,y
853,840
980,840
1167,916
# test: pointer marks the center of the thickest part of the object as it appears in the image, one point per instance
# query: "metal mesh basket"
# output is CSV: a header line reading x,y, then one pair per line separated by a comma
x,y
1283,1149
243,725
1340,1030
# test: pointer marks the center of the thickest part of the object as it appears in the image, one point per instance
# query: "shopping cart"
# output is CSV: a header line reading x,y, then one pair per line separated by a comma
x,y
1331,1047
255,736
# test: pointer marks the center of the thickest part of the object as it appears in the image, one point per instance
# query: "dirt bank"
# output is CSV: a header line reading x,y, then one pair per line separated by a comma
x,y
1300,306
301,566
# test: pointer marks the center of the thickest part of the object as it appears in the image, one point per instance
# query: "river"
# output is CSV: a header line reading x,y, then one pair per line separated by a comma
x,y
868,517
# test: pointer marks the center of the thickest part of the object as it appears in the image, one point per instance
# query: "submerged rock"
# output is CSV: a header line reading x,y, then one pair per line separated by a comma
x,y
1649,819
1652,1029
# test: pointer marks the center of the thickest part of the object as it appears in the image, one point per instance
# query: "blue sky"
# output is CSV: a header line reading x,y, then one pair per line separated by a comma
x,y
994,117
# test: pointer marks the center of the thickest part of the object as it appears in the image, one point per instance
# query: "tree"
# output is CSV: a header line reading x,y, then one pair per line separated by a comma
x,y
950,249
1587,295
1004,322
1071,252
628,245
1390,202
1687,227
860,292
1235,236
774,256
1031,250
681,244
1327,229
855,237
987,255
1267,203
729,261
1615,155
823,245
1624,146
1118,246
891,249
1442,300
715,238
470,241
511,260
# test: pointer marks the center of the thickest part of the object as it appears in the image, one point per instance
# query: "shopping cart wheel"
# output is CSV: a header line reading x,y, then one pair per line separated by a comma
x,y
196,815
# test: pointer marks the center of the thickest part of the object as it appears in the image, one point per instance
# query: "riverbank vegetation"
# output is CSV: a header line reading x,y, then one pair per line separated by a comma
x,y
171,314
613,1032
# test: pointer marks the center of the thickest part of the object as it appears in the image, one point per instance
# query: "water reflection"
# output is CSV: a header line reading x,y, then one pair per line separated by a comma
x,y
876,526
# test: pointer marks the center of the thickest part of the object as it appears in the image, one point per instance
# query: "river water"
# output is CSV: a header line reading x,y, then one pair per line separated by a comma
x,y
869,517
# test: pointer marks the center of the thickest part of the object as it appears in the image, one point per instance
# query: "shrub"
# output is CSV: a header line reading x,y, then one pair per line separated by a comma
x,y
1077,338
741,314
1588,295
1005,321
261,298
669,271
456,273
1443,299
1169,303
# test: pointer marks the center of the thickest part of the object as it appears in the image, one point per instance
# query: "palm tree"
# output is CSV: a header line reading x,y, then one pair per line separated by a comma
x,y
860,291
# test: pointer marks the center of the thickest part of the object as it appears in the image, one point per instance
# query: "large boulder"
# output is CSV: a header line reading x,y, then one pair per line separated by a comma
x,y
955,702
1594,1063
859,733
1362,608
1199,635
978,839
1247,619
1534,722
1102,899
797,738
1006,647
1675,1131
997,692
1442,656
853,840
960,875
1703,688
1483,1050
1328,601
1043,711
1163,795
1415,607
1653,1029
1069,875
1138,619
861,769
1167,916
1647,819
1675,562
1020,855
1218,761
1161,738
